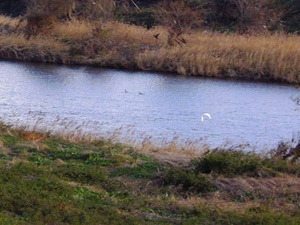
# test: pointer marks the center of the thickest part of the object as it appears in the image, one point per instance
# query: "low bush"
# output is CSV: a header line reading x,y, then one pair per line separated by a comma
x,y
188,180
236,163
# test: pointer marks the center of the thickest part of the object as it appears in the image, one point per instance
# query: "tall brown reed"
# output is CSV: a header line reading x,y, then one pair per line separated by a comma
x,y
274,57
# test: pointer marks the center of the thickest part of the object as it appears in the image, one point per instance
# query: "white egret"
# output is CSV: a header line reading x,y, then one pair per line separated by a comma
x,y
205,114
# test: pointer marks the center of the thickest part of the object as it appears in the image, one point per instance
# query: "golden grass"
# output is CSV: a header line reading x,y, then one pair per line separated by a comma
x,y
74,29
36,49
5,20
130,34
215,54
113,44
37,43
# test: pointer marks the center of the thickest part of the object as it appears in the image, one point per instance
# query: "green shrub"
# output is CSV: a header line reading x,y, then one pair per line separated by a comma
x,y
234,163
189,181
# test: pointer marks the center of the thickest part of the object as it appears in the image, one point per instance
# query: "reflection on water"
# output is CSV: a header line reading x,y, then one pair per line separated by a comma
x,y
147,104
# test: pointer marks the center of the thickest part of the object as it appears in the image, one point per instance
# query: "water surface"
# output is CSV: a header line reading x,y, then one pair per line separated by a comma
x,y
145,104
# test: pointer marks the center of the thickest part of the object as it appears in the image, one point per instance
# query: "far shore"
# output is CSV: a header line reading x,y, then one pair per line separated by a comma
x,y
115,45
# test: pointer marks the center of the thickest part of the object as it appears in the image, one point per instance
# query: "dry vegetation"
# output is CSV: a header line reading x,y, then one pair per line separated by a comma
x,y
196,53
213,54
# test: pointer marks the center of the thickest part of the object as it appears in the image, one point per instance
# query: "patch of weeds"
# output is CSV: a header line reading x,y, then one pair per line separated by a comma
x,y
282,166
52,144
7,218
75,50
67,155
98,158
58,144
82,193
83,173
8,140
144,170
118,159
188,180
244,196
32,193
252,216
5,157
38,159
65,39
233,163
35,195
257,216
145,158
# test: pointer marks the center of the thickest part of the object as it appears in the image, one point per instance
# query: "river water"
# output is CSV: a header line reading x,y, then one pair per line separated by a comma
x,y
136,106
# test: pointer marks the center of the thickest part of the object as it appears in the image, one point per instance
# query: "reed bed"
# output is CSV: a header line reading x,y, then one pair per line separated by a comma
x,y
274,57
16,47
75,30
112,44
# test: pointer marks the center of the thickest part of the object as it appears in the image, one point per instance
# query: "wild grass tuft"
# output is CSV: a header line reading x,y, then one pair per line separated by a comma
x,y
188,181
236,163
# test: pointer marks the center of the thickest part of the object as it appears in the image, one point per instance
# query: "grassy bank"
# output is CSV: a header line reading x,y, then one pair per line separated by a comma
x,y
49,180
117,45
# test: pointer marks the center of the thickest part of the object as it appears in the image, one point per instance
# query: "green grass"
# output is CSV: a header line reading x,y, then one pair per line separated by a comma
x,y
237,162
55,181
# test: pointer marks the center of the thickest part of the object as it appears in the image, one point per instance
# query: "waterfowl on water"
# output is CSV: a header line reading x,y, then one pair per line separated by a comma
x,y
205,114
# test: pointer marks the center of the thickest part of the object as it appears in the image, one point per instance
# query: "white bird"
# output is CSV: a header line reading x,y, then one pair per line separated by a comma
x,y
205,114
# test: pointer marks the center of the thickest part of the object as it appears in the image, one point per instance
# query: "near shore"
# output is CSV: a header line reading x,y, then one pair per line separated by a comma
x,y
49,179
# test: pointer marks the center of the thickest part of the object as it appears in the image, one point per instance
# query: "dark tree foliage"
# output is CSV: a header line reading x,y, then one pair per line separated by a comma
x,y
291,18
12,7
217,14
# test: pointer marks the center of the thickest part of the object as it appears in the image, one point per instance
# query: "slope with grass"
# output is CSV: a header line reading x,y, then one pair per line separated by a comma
x,y
47,179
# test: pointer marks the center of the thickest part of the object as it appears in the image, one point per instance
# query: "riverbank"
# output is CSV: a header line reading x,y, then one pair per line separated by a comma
x,y
116,45
47,179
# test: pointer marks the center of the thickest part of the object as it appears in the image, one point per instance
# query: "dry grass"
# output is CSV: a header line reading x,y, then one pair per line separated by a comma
x,y
130,34
14,45
3,149
264,57
279,192
74,30
36,49
172,151
12,22
214,54
37,43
